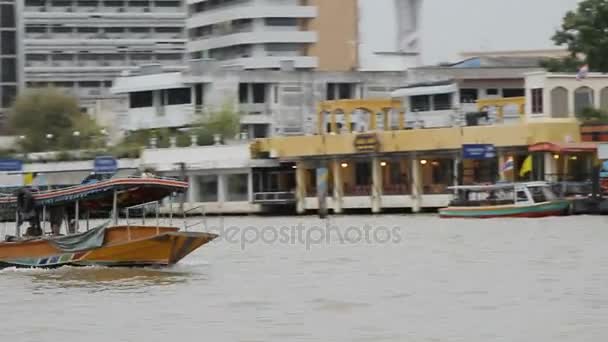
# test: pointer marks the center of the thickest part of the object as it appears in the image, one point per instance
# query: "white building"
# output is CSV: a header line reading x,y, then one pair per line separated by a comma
x,y
82,45
270,102
11,77
337,35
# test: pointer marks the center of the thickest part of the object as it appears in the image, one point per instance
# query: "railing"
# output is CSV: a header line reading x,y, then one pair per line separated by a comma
x,y
143,217
203,221
274,197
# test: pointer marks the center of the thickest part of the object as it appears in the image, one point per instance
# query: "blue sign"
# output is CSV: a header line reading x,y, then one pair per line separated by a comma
x,y
478,151
11,165
105,165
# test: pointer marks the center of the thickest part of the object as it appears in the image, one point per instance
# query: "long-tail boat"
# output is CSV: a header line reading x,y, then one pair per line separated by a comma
x,y
531,199
110,244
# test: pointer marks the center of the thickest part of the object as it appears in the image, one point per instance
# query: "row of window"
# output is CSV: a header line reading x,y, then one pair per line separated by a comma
x,y
236,188
121,57
213,4
177,96
583,97
471,95
239,25
102,30
103,3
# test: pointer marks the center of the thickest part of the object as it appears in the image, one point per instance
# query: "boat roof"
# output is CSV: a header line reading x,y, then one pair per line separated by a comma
x,y
488,187
99,195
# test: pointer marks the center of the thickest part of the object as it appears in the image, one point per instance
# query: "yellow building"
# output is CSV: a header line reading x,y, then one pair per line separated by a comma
x,y
376,162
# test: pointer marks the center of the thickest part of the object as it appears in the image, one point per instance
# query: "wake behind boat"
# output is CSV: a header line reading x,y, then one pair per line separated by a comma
x,y
531,199
110,244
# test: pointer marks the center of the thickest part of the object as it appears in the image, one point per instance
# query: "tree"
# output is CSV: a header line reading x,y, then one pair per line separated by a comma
x,y
47,119
224,122
584,33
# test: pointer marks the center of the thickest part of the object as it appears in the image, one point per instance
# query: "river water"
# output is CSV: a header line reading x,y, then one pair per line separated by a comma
x,y
352,278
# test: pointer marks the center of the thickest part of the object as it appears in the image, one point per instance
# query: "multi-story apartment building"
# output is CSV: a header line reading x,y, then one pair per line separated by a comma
x,y
10,50
336,35
82,45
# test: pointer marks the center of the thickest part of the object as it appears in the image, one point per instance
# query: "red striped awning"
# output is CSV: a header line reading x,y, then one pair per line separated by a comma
x,y
564,147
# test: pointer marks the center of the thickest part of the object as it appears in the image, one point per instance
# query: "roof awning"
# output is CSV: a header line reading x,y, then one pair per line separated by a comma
x,y
428,90
564,147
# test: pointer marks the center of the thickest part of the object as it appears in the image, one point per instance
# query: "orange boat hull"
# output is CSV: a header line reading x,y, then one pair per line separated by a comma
x,y
123,246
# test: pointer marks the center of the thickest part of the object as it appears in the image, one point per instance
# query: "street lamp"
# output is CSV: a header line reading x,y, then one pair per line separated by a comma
x,y
49,136
76,134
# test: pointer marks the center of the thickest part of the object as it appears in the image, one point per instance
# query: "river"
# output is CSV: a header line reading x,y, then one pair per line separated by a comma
x,y
352,278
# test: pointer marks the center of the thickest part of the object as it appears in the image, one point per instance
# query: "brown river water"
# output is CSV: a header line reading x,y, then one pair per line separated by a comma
x,y
352,278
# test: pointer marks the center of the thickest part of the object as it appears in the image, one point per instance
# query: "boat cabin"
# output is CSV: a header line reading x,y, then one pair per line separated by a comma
x,y
502,194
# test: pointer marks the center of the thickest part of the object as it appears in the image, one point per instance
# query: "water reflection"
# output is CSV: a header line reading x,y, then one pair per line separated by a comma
x,y
105,279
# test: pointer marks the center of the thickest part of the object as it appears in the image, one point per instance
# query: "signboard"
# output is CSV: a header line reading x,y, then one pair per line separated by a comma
x,y
11,165
478,151
105,165
602,151
366,143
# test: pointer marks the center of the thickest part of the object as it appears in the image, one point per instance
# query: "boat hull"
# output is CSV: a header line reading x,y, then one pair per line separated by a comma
x,y
553,208
123,246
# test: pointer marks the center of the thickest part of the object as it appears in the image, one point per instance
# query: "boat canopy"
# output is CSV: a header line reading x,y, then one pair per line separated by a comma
x,y
497,186
100,195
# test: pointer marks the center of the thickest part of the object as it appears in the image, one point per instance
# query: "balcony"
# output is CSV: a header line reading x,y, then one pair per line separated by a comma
x,y
272,62
257,37
249,11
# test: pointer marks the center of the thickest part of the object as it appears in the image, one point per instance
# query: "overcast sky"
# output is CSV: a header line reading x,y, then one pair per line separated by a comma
x,y
450,27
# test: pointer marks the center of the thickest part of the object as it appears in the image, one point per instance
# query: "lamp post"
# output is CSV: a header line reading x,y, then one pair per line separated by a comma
x,y
76,135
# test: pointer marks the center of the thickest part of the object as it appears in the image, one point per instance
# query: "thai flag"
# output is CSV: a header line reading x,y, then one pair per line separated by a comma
x,y
508,165
582,72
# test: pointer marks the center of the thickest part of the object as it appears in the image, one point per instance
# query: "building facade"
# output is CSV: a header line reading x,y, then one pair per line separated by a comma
x,y
11,76
82,45
270,102
337,35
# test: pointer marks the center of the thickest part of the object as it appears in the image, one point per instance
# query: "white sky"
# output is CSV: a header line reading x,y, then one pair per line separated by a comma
x,y
453,26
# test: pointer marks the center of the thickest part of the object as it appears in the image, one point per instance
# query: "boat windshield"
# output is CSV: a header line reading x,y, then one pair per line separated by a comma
x,y
541,194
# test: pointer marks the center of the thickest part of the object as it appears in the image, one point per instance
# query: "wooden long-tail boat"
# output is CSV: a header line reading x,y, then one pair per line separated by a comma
x,y
110,244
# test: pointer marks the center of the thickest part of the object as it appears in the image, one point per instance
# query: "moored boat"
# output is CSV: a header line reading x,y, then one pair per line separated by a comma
x,y
110,244
531,199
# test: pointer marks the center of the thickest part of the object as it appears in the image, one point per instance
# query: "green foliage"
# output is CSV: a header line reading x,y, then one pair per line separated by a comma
x,y
38,112
568,64
225,122
584,33
593,114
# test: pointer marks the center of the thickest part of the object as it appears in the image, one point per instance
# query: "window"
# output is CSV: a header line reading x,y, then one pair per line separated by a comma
x,y
179,96
340,91
207,188
583,99
7,16
87,30
61,29
167,4
537,100
513,92
469,95
35,29
442,101
8,95
243,92
141,99
559,102
281,21
491,91
420,103
168,29
259,93
9,70
8,43
114,30
363,171
237,188
521,196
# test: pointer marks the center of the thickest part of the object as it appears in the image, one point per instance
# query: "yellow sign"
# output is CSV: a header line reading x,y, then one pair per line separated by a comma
x,y
367,143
